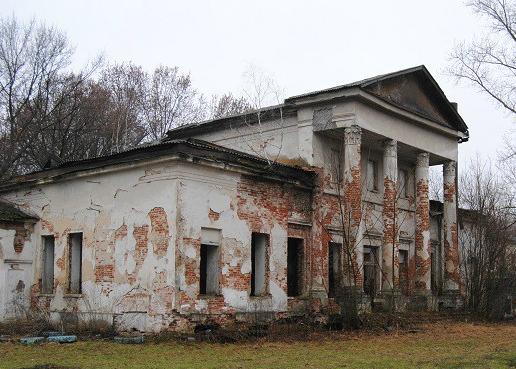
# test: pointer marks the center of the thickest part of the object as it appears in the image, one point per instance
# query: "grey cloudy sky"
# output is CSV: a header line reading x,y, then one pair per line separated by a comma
x,y
305,45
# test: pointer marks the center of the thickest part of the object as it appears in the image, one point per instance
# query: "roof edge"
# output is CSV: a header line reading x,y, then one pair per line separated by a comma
x,y
182,148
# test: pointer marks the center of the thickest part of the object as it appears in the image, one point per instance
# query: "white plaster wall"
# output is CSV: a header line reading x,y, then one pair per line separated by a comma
x,y
99,206
12,299
109,207
271,139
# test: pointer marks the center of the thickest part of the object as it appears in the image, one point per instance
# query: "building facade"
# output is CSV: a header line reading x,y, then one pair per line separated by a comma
x,y
275,211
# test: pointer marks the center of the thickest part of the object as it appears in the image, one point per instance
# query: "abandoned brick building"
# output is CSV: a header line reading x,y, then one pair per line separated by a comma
x,y
247,213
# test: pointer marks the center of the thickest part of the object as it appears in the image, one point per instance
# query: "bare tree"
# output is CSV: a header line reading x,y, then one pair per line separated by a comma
x,y
228,104
33,61
489,63
486,239
359,225
125,84
170,101
58,135
264,118
436,183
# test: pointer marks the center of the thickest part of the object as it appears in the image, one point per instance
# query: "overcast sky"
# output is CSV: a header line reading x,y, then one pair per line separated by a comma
x,y
305,45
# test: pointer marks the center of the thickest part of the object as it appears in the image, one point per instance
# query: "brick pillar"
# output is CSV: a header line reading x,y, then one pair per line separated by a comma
x,y
422,238
353,192
320,240
450,235
390,236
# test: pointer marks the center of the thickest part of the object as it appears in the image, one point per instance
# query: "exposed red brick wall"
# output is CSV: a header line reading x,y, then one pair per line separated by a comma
x,y
213,215
104,273
261,204
451,253
159,231
389,230
422,265
20,237
121,232
192,266
141,236
449,192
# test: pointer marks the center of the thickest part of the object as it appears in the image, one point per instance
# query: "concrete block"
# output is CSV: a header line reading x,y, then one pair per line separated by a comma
x,y
31,340
62,339
129,340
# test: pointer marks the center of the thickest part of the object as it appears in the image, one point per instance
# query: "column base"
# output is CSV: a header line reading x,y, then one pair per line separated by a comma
x,y
319,293
389,301
421,301
451,300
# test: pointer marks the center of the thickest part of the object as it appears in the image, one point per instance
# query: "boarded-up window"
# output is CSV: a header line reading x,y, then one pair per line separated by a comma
x,y
295,260
75,263
371,270
403,183
209,263
259,242
334,252
403,271
335,159
372,175
47,274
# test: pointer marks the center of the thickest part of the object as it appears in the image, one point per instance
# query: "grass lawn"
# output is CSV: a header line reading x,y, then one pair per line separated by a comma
x,y
439,345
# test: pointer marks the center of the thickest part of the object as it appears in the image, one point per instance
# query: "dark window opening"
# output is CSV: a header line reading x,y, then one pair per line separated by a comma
x,y
333,268
209,270
259,243
295,257
75,263
372,175
433,281
403,271
370,270
47,275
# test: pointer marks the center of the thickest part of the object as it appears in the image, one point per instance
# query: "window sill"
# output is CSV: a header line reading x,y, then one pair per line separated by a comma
x,y
260,296
300,297
73,296
209,297
46,295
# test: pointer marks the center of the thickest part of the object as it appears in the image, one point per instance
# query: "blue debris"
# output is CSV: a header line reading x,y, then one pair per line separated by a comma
x,y
31,340
62,339
129,340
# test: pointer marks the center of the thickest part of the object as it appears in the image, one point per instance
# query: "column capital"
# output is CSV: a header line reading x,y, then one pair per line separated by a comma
x,y
422,160
450,168
390,148
352,135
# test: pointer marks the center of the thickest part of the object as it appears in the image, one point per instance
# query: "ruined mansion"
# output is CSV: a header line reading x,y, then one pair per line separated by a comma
x,y
275,211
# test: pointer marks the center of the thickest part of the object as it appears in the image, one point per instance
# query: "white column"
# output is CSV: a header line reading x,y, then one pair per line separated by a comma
x,y
390,234
451,239
352,184
422,238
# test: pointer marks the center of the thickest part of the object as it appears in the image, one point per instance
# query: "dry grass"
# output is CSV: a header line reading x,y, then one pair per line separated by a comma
x,y
439,345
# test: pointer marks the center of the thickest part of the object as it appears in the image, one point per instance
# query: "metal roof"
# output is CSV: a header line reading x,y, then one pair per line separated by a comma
x,y
193,128
183,148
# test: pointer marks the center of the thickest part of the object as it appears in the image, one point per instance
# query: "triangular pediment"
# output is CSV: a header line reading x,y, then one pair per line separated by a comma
x,y
417,92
